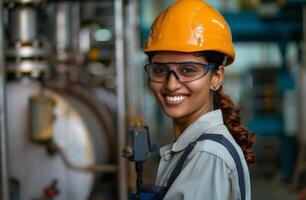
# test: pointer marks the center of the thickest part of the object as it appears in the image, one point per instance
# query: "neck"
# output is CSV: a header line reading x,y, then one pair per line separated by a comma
x,y
179,128
180,125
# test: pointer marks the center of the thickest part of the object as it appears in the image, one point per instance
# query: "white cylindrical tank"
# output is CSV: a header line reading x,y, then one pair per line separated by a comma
x,y
75,129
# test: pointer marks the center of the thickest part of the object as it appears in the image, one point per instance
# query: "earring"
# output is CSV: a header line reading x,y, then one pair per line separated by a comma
x,y
215,88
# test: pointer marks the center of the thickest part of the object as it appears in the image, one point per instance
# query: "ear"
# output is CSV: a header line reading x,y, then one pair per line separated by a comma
x,y
217,78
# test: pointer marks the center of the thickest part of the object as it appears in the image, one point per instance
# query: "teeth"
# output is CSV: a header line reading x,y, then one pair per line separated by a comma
x,y
175,99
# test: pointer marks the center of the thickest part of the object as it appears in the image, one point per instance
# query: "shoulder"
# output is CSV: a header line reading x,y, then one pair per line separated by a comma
x,y
219,150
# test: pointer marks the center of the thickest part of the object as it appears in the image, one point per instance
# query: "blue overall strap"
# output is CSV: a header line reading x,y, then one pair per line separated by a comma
x,y
178,168
232,150
217,138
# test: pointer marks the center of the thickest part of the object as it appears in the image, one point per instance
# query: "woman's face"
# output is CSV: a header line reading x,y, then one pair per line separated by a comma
x,y
185,101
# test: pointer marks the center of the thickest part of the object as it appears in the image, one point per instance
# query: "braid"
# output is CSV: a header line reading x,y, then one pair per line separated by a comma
x,y
231,116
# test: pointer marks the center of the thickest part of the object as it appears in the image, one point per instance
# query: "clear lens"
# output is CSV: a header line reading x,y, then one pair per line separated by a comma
x,y
185,72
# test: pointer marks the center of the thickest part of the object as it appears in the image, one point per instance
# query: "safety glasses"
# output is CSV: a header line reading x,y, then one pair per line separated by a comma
x,y
183,71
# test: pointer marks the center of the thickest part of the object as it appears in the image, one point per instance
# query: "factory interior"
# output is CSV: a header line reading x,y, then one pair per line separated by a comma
x,y
72,84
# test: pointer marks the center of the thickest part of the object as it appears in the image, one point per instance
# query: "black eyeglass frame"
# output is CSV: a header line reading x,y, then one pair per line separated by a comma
x,y
209,66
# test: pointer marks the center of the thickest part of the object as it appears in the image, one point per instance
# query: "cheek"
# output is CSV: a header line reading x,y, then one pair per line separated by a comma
x,y
154,88
202,87
201,93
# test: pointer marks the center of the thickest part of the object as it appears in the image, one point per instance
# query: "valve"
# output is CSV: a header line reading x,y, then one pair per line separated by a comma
x,y
139,144
138,150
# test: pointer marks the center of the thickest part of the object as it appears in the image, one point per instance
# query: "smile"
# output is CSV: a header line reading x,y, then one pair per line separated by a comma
x,y
175,99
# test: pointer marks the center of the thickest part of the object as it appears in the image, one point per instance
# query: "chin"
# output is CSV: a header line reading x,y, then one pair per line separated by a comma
x,y
174,114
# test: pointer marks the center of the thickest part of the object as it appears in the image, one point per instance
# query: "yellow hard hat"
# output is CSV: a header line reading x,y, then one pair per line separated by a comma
x,y
191,26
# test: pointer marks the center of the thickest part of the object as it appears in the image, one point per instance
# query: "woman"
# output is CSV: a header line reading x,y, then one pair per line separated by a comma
x,y
189,45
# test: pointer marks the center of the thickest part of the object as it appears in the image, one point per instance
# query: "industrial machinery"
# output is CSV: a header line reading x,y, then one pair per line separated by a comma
x,y
60,130
138,150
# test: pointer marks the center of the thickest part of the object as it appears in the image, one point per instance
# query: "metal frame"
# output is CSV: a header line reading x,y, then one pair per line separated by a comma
x,y
121,112
3,143
133,68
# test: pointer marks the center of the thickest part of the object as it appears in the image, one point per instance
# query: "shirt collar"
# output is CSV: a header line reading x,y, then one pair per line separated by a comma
x,y
197,128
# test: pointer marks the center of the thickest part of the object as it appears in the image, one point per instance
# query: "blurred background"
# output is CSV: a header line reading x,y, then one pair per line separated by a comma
x,y
72,83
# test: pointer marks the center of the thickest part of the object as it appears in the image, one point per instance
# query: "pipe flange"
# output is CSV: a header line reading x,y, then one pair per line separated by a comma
x,y
27,67
26,52
15,3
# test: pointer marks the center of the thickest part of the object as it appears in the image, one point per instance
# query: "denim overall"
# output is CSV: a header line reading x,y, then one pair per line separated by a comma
x,y
153,192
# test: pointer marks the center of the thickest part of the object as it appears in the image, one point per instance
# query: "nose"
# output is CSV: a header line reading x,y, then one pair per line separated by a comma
x,y
173,82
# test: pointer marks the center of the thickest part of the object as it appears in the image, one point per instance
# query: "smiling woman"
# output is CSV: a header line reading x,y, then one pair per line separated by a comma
x,y
184,101
189,46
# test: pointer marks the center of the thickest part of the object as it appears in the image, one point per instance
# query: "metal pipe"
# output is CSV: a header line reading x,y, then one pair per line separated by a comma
x,y
26,52
63,26
24,24
67,19
3,143
75,26
121,112
134,77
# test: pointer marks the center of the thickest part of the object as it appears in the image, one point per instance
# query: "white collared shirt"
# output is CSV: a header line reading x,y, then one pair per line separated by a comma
x,y
209,172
